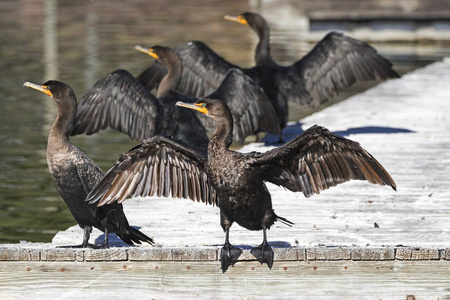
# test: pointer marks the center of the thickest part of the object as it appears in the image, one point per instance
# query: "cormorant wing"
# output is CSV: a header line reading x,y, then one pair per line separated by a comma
x,y
90,174
250,107
87,170
120,102
159,166
203,70
317,160
335,63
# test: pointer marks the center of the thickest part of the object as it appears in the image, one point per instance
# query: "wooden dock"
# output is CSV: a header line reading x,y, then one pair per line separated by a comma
x,y
355,241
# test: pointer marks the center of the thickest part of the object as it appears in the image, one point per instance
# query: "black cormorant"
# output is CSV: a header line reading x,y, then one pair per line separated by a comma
x,y
334,64
75,174
121,102
251,109
234,181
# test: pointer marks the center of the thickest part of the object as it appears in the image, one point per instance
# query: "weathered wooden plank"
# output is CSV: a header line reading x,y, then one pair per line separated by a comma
x,y
246,280
111,254
417,254
16,254
365,254
447,254
150,254
62,254
320,253
194,254
328,253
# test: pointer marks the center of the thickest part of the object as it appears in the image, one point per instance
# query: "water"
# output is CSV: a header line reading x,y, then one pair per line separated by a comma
x,y
80,41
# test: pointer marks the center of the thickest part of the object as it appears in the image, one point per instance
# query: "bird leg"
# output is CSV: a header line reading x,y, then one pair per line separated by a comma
x,y
85,244
263,253
105,244
228,254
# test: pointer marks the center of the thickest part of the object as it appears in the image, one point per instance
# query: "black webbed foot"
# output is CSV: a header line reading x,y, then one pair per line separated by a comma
x,y
229,255
263,253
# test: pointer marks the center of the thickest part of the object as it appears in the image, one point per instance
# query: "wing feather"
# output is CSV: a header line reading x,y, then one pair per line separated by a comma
x,y
318,160
251,109
120,102
335,63
159,166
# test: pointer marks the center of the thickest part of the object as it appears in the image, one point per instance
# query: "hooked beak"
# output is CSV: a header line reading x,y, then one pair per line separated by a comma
x,y
195,106
148,51
239,19
41,88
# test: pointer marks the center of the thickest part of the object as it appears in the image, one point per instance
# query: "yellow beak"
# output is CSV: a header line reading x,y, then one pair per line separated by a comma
x,y
238,19
41,88
196,106
148,51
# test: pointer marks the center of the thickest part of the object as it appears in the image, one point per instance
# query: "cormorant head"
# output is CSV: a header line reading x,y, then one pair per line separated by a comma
x,y
56,89
164,54
254,20
213,108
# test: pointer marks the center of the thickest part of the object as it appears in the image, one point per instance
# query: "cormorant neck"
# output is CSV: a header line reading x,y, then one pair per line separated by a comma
x,y
63,125
223,135
172,79
262,52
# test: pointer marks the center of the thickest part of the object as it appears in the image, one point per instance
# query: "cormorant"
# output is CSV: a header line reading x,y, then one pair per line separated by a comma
x,y
75,174
120,102
251,109
334,64
314,161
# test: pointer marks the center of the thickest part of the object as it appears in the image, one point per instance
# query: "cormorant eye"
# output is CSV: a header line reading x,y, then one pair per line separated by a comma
x,y
203,104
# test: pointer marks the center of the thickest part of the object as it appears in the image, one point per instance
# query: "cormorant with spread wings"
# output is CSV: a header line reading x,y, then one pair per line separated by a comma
x,y
314,161
120,102
335,63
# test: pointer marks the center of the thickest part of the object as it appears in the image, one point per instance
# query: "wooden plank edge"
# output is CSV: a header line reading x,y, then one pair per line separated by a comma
x,y
323,253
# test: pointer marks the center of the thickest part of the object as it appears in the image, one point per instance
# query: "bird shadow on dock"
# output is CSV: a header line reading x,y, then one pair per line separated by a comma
x,y
114,240
273,244
295,129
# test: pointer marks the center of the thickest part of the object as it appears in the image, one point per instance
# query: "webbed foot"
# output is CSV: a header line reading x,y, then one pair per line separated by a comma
x,y
229,255
264,254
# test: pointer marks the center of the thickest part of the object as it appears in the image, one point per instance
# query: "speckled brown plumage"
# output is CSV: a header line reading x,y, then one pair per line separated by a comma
x,y
75,174
314,161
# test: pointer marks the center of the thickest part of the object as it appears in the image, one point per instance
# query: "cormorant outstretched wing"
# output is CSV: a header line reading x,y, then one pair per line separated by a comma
x,y
203,70
250,107
335,63
159,166
120,102
317,160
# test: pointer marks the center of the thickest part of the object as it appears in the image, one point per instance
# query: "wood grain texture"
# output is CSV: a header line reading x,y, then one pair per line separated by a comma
x,y
246,280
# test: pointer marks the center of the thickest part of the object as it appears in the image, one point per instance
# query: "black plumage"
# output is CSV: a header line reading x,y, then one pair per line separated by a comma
x,y
314,161
334,64
75,174
120,102
251,109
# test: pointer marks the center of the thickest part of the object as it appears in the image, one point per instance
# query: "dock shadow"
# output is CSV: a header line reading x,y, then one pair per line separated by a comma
x,y
114,240
273,244
294,130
